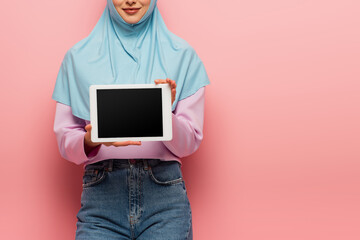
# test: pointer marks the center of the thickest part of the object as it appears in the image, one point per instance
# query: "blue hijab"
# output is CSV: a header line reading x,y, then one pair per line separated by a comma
x,y
116,52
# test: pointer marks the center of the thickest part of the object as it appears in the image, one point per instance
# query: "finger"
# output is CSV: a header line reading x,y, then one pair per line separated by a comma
x,y
118,144
108,144
171,82
159,81
173,96
88,127
126,143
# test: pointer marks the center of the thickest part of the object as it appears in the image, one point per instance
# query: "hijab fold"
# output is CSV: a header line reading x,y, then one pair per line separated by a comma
x,y
116,52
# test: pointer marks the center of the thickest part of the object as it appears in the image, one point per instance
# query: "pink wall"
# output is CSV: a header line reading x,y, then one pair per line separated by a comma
x,y
280,157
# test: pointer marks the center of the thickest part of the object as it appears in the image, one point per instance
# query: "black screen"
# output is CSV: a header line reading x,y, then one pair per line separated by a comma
x,y
129,112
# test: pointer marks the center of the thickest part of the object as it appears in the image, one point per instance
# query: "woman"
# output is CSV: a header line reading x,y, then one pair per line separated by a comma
x,y
131,190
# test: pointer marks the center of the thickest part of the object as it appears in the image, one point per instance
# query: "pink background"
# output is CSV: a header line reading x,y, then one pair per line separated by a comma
x,y
280,157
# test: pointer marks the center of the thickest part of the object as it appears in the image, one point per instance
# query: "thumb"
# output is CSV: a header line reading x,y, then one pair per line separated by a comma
x,y
88,127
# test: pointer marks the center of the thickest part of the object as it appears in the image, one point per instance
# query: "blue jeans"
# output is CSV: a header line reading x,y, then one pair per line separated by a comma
x,y
134,199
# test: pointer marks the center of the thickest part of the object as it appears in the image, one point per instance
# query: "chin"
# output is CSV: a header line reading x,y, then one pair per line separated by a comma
x,y
132,21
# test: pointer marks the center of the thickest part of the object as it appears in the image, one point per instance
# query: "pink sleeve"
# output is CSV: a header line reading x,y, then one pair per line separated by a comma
x,y
187,132
188,120
70,133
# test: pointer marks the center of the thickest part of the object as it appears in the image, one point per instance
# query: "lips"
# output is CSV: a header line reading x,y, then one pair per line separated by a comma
x,y
131,10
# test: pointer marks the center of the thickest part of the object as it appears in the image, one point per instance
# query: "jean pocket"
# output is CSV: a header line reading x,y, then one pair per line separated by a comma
x,y
93,175
166,173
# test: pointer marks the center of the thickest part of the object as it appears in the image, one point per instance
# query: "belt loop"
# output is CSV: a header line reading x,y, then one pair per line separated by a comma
x,y
145,161
111,164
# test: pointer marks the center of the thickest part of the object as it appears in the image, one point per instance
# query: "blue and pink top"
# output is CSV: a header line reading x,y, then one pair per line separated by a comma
x,y
187,126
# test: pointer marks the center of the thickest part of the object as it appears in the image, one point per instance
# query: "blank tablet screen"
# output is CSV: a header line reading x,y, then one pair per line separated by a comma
x,y
129,112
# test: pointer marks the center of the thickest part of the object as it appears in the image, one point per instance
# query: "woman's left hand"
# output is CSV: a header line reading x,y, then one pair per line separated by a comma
x,y
172,86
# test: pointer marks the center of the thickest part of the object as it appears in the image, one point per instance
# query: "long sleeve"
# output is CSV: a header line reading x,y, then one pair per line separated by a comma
x,y
188,119
187,135
70,133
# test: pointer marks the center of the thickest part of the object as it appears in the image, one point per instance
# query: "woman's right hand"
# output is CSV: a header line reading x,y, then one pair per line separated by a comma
x,y
90,144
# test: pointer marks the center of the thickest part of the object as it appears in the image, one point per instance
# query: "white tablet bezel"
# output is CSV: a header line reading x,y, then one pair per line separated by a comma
x,y
166,107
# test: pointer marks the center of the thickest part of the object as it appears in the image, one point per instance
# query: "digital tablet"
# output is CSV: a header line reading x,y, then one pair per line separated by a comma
x,y
136,112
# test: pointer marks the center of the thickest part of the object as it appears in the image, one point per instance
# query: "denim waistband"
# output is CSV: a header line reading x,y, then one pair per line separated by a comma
x,y
112,164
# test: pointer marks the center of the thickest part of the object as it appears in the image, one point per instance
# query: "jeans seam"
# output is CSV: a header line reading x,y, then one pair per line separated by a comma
x,y
188,231
190,215
89,184
171,182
